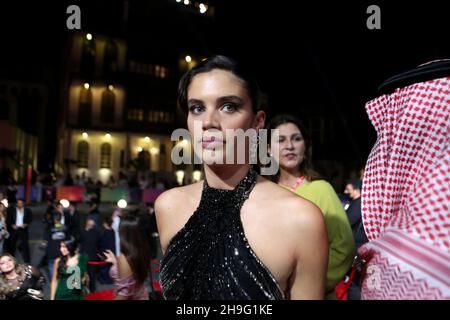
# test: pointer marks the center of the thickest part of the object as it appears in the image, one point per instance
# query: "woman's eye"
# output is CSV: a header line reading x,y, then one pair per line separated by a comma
x,y
195,109
298,139
229,107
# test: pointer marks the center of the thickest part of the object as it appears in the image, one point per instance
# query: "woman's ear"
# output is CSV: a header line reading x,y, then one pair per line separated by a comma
x,y
260,120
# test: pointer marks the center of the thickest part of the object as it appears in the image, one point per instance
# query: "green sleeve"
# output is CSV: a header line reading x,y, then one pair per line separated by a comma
x,y
83,260
340,237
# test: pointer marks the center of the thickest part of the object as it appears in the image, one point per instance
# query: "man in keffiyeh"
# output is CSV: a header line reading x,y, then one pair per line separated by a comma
x,y
406,188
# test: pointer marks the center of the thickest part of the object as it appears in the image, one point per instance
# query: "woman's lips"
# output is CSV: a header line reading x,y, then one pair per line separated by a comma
x,y
290,156
211,144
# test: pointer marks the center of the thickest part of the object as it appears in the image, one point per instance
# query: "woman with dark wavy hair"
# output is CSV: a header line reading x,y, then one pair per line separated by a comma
x,y
69,272
130,269
296,173
214,233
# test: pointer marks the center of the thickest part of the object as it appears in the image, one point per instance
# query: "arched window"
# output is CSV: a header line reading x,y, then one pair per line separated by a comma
x,y
105,155
110,58
107,107
85,107
83,154
88,56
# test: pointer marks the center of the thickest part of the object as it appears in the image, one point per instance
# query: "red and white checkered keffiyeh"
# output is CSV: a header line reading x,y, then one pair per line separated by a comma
x,y
406,194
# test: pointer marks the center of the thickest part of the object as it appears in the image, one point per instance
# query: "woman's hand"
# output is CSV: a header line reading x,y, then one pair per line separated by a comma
x,y
85,280
110,257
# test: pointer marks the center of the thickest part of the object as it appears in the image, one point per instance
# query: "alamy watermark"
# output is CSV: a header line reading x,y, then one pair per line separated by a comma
x,y
74,280
373,281
236,146
73,21
374,20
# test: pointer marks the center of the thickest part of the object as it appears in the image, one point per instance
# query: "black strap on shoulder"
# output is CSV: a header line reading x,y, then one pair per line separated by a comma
x,y
432,70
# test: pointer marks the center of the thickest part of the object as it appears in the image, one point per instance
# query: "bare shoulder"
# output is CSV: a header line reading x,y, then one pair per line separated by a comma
x,y
173,209
124,267
56,263
295,225
170,200
292,211
298,227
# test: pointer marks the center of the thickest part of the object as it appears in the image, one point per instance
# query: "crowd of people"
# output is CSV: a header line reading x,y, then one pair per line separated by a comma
x,y
80,251
214,233
45,184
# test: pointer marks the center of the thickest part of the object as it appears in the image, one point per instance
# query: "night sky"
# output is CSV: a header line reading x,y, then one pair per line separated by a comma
x,y
310,58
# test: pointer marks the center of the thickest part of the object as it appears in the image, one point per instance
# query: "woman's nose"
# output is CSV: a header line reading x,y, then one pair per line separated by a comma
x,y
210,120
289,145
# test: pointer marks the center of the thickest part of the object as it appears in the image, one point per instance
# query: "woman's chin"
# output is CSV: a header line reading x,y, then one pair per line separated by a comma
x,y
212,157
289,165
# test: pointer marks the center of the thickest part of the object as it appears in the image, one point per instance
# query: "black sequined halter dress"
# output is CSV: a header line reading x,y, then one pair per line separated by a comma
x,y
210,257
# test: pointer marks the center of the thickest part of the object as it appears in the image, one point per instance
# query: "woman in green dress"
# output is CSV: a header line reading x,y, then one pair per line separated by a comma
x,y
295,159
69,277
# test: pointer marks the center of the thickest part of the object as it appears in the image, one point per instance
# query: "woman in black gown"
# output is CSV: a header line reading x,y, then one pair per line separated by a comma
x,y
235,235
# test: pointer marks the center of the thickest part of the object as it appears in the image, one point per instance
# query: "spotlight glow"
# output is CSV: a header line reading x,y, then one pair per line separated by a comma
x,y
65,203
122,204
203,8
180,176
5,202
196,175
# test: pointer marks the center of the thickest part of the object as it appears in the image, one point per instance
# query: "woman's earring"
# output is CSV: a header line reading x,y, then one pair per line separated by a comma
x,y
254,139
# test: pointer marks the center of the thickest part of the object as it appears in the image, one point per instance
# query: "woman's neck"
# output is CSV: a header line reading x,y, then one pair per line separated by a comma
x,y
288,178
11,275
225,177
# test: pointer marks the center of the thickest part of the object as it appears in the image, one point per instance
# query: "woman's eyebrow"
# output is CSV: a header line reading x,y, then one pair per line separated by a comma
x,y
291,136
195,101
233,98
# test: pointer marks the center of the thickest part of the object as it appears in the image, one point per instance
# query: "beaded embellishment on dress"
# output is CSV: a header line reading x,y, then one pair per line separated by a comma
x,y
210,257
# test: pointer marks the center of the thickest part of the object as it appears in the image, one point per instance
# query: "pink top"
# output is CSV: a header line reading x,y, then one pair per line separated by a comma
x,y
127,287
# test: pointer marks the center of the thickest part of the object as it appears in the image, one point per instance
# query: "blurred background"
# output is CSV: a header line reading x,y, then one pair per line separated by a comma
x,y
100,102
86,115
